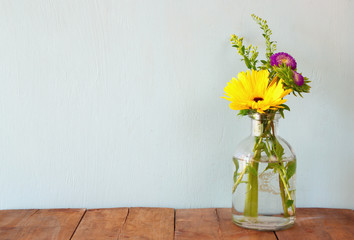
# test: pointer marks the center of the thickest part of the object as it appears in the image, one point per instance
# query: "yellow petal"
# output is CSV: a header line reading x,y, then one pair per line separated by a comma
x,y
249,85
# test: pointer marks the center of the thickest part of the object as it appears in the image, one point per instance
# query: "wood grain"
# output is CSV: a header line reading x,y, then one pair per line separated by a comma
x,y
205,224
149,223
45,224
229,231
105,224
321,224
163,224
12,222
194,224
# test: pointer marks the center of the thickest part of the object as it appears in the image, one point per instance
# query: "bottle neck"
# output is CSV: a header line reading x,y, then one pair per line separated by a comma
x,y
264,125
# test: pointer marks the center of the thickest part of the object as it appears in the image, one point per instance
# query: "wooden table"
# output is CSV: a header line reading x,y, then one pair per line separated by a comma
x,y
164,224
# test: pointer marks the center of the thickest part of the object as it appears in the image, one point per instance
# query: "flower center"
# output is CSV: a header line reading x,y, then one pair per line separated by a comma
x,y
256,99
284,60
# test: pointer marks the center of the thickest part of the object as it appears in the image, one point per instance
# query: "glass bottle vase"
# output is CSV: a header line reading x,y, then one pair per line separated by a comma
x,y
263,193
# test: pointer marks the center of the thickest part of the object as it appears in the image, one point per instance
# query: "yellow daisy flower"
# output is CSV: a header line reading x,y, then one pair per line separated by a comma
x,y
252,91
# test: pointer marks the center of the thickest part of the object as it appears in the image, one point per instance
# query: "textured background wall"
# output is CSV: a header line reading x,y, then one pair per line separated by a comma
x,y
116,103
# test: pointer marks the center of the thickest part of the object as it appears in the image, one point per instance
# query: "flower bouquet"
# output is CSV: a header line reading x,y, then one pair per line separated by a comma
x,y
265,164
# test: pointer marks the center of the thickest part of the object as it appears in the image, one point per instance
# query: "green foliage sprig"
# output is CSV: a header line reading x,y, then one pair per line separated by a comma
x,y
286,73
249,56
249,53
271,46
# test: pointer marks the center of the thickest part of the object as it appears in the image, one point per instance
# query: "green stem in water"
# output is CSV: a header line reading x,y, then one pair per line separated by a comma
x,y
281,176
251,204
239,179
282,194
283,185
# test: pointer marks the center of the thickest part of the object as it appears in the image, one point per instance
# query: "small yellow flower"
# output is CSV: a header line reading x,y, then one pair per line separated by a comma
x,y
251,91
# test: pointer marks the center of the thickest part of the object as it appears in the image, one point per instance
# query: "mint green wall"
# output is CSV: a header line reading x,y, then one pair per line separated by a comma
x,y
116,103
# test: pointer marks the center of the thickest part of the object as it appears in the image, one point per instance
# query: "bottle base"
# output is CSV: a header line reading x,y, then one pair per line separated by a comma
x,y
264,223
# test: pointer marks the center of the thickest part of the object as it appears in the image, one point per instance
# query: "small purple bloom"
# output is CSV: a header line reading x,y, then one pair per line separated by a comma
x,y
298,78
278,59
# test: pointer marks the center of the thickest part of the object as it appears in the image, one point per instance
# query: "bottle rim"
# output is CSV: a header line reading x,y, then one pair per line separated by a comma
x,y
264,116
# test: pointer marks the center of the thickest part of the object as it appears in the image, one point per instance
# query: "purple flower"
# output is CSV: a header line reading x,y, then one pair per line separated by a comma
x,y
278,59
298,78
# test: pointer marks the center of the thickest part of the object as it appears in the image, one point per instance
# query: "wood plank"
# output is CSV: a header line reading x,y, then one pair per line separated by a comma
x,y
321,223
12,221
213,224
158,223
194,224
230,231
45,224
149,223
105,224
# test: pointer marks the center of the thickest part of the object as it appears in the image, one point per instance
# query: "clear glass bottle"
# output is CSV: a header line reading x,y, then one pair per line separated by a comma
x,y
263,194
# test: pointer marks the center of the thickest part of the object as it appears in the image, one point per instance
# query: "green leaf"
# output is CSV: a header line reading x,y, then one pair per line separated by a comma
x,y
243,112
271,166
265,149
286,107
237,167
259,146
242,49
279,150
291,169
288,203
262,147
235,176
248,63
